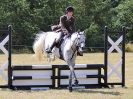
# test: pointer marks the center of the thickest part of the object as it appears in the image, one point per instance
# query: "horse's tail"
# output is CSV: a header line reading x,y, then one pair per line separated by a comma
x,y
38,46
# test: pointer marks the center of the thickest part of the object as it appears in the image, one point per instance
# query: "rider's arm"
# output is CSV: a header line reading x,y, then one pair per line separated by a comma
x,y
63,24
73,25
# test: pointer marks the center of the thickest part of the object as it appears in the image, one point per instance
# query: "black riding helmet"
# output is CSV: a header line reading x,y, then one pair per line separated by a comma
x,y
69,9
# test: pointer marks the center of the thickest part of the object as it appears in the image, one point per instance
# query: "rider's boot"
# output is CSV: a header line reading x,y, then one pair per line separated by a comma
x,y
61,39
49,50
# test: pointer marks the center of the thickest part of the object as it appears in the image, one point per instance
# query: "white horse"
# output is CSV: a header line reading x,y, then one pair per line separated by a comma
x,y
68,49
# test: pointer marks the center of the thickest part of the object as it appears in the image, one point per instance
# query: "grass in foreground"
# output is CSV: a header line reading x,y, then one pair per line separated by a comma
x,y
115,93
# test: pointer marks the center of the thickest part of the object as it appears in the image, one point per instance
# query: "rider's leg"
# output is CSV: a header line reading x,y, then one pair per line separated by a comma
x,y
56,41
49,50
60,40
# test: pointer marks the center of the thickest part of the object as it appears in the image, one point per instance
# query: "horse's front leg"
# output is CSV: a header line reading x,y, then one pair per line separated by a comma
x,y
70,79
72,74
75,78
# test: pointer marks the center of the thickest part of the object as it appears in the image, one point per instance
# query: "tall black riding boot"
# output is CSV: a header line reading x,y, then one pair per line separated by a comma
x,y
51,48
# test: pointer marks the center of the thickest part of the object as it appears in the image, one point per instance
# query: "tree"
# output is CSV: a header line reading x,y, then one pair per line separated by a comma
x,y
30,16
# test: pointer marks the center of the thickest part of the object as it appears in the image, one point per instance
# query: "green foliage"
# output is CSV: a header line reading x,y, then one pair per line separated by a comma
x,y
30,16
93,36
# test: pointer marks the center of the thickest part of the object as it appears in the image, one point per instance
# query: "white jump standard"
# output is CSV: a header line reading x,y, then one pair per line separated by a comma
x,y
4,39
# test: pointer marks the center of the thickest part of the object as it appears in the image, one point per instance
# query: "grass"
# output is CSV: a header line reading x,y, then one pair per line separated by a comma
x,y
104,93
129,47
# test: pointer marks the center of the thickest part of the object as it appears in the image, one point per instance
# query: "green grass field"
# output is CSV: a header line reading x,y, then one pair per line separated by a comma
x,y
104,93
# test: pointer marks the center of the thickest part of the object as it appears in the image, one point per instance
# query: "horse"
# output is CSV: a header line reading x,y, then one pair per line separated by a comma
x,y
68,48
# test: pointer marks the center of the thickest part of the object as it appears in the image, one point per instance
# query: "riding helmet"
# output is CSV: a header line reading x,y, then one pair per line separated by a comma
x,y
69,9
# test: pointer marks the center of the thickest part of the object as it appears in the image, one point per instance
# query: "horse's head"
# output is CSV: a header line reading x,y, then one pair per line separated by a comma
x,y
78,39
81,39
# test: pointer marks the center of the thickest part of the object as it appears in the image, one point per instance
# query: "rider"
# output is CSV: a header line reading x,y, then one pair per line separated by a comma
x,y
66,26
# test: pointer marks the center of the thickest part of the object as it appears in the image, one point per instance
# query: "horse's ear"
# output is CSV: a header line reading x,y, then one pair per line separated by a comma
x,y
78,31
84,32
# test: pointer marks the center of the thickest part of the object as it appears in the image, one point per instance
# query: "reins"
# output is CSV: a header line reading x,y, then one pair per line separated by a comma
x,y
74,51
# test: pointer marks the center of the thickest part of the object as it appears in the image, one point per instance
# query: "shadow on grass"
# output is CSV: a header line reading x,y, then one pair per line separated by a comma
x,y
98,91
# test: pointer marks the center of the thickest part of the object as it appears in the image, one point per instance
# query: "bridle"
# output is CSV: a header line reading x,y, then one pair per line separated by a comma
x,y
77,44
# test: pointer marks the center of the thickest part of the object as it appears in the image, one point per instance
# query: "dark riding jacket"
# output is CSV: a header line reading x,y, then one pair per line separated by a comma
x,y
67,25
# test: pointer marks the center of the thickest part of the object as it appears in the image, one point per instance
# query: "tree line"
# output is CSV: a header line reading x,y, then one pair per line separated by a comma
x,y
27,17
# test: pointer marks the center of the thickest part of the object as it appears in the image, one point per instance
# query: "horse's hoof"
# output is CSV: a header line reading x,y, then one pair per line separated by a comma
x,y
70,89
76,82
